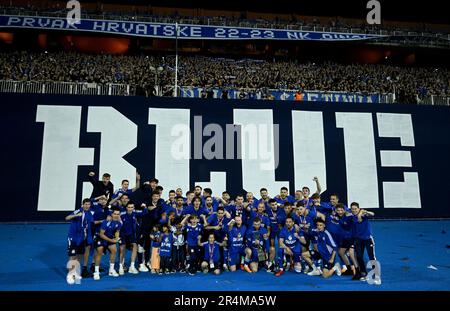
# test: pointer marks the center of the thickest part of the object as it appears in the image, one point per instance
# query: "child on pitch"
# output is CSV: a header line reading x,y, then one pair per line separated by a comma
x,y
178,249
165,250
155,238
211,259
193,235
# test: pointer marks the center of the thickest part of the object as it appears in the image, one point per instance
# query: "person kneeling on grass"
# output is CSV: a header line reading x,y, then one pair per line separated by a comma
x,y
211,260
325,250
108,237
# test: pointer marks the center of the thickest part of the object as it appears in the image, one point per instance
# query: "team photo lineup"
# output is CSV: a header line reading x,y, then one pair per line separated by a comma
x,y
195,231
208,154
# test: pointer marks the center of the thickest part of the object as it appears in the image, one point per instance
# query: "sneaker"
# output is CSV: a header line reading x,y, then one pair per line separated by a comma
x,y
347,272
337,268
225,267
121,271
363,277
279,273
247,268
71,279
153,271
85,273
172,271
307,269
182,271
93,269
143,268
191,272
113,273
377,281
96,276
356,277
133,270
314,272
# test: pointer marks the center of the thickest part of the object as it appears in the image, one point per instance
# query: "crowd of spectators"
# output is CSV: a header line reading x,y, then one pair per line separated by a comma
x,y
141,71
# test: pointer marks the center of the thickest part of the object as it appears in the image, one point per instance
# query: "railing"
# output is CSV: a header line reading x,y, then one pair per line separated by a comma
x,y
217,21
84,88
434,100
71,88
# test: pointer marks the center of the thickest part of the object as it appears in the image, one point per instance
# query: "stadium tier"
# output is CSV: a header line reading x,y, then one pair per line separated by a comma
x,y
200,76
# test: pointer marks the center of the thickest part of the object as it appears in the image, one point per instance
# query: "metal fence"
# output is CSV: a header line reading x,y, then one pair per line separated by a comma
x,y
434,100
71,88
82,88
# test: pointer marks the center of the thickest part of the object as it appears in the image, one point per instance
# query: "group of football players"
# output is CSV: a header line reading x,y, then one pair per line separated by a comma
x,y
196,231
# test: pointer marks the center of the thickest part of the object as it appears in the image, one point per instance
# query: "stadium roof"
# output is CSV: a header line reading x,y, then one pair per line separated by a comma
x,y
432,11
